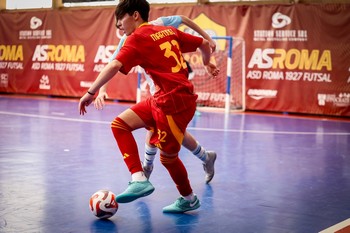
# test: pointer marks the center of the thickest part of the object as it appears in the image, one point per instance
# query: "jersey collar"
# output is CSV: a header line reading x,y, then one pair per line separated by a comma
x,y
143,24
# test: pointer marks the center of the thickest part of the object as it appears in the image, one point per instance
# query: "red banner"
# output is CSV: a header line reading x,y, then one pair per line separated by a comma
x,y
299,59
59,52
296,56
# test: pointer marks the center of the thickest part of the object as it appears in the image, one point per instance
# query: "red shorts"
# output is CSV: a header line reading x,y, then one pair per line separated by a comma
x,y
168,130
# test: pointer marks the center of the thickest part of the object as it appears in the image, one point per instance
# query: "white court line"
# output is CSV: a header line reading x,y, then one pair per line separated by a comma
x,y
190,128
53,117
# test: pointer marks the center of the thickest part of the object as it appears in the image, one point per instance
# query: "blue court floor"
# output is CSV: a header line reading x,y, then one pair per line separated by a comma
x,y
274,173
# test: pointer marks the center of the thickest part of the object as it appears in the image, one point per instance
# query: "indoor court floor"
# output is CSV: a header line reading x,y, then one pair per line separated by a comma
x,y
275,173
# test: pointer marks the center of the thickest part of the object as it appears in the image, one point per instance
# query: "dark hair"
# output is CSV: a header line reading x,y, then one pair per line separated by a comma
x,y
130,6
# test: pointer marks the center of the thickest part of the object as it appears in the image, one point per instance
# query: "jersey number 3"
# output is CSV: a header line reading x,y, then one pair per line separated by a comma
x,y
167,46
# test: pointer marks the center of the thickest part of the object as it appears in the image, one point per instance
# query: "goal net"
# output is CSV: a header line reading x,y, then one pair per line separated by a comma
x,y
225,92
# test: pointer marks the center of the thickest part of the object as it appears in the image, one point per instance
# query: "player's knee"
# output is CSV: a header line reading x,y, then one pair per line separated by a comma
x,y
119,126
167,159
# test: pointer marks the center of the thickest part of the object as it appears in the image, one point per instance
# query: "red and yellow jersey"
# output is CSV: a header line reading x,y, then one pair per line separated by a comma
x,y
158,49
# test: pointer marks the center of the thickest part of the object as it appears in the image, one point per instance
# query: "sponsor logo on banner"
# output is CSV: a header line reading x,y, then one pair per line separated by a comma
x,y
340,100
4,80
103,54
312,63
86,84
279,21
59,57
35,32
258,94
44,83
293,64
11,57
210,27
212,96
35,23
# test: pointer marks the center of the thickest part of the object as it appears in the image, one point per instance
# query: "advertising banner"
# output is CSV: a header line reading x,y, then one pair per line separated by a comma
x,y
59,52
296,56
298,60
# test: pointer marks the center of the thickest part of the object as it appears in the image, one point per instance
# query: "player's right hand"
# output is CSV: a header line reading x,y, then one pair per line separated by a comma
x,y
85,101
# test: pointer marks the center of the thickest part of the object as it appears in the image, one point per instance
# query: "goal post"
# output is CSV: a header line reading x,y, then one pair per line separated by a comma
x,y
225,92
228,70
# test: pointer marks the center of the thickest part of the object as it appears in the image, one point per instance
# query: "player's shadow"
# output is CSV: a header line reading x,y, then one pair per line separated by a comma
x,y
186,222
145,216
207,198
103,225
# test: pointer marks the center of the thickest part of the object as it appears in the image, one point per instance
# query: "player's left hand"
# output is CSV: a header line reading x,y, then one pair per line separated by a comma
x,y
212,45
85,101
99,102
212,70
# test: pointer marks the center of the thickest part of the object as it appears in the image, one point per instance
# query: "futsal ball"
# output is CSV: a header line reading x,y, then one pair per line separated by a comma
x,y
103,204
